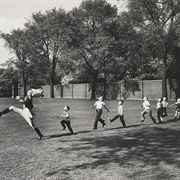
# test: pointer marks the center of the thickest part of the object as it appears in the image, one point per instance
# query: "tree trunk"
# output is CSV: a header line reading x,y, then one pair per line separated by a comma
x,y
177,91
52,74
94,83
25,84
164,77
105,86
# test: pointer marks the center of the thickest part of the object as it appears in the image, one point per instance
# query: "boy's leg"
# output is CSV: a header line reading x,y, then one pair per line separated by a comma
x,y
68,123
114,118
143,115
102,122
164,113
4,111
38,132
151,116
63,122
98,114
122,121
26,114
178,114
158,116
100,119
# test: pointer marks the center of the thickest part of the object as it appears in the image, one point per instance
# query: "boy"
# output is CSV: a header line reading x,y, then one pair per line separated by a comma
x,y
25,113
120,114
147,110
165,105
99,104
159,108
66,119
177,112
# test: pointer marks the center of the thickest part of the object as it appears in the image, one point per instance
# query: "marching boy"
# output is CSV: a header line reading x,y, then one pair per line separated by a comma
x,y
159,108
120,114
99,104
177,112
165,105
147,110
66,119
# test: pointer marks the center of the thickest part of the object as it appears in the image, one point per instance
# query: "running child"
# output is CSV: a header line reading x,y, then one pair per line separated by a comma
x,y
177,112
120,114
159,108
65,122
99,104
147,110
165,105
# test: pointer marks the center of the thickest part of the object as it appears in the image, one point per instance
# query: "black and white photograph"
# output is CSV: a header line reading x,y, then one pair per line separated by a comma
x,y
89,89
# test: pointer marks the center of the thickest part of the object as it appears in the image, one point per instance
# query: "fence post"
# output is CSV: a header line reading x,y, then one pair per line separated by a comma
x,y
142,82
61,90
72,91
120,94
13,95
85,91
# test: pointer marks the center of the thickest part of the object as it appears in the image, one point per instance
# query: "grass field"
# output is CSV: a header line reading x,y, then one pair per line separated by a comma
x,y
139,152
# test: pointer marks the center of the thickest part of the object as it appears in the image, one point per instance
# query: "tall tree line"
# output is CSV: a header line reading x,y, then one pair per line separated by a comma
x,y
95,40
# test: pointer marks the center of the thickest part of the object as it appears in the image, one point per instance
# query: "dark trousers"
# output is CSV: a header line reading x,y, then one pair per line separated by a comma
x,y
98,118
149,112
65,123
121,119
164,112
160,114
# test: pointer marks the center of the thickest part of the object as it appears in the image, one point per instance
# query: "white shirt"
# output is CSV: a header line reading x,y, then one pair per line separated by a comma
x,y
165,104
99,104
121,110
65,116
159,105
146,105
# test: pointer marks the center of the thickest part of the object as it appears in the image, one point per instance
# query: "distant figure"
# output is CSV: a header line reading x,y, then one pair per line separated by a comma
x,y
99,104
159,108
120,114
36,92
165,105
147,110
177,112
66,119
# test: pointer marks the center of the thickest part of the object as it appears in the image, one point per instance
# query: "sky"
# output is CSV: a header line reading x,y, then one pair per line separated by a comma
x,y
14,13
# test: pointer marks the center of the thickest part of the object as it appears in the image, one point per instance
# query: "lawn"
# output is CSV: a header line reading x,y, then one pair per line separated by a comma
x,y
139,152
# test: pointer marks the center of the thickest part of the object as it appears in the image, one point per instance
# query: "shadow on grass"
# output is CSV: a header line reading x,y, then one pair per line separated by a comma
x,y
170,121
137,149
60,135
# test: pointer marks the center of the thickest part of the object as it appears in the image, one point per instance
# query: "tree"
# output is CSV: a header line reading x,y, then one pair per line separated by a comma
x,y
17,42
90,38
173,72
8,79
158,19
48,33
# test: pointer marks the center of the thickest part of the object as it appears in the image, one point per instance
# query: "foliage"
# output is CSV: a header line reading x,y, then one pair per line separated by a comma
x,y
101,39
159,22
129,87
48,34
17,42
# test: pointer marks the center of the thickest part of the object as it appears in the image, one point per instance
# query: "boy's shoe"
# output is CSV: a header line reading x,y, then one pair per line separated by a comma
x,y
64,128
109,119
142,121
104,124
